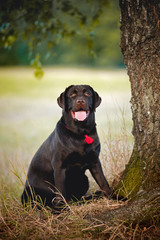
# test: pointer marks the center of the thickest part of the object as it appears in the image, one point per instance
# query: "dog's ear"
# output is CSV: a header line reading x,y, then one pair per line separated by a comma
x,y
96,100
61,100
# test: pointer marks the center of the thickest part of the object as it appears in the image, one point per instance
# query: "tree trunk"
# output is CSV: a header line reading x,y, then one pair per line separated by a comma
x,y
140,44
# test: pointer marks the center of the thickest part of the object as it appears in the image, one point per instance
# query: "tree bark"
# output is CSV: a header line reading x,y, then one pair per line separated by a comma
x,y
140,45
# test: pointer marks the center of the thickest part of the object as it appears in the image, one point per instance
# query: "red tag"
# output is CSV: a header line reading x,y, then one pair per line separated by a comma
x,y
88,139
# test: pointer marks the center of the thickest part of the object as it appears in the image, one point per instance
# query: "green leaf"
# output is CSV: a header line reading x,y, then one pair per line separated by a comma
x,y
48,54
9,41
35,63
38,73
50,44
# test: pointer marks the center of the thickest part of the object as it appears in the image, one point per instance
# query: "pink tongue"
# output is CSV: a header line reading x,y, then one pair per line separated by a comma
x,y
81,115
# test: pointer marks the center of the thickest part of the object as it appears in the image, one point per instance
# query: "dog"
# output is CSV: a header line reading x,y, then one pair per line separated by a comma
x,y
57,170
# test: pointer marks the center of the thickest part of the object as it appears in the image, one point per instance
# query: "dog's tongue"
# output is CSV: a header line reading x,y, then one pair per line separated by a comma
x,y
80,115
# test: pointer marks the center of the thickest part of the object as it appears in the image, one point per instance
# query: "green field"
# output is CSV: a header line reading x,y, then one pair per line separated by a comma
x,y
29,112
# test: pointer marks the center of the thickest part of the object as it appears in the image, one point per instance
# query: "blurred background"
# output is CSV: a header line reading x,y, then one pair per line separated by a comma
x,y
75,52
28,106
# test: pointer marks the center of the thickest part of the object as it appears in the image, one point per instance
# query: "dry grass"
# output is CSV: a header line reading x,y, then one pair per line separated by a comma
x,y
79,223
20,223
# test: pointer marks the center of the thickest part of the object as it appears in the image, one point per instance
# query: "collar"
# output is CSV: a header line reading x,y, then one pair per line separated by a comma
x,y
87,139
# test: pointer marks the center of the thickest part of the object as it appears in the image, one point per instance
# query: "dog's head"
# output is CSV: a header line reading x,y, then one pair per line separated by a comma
x,y
79,102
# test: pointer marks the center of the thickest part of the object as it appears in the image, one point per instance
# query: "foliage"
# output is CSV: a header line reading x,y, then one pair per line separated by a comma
x,y
44,24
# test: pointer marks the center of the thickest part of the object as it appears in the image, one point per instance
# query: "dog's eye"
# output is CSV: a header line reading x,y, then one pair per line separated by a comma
x,y
87,94
73,95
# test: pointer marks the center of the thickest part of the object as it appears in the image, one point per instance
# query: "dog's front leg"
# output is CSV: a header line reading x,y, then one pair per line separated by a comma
x,y
59,201
59,178
98,175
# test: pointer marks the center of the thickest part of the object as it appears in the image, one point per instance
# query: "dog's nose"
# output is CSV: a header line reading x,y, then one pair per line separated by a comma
x,y
80,101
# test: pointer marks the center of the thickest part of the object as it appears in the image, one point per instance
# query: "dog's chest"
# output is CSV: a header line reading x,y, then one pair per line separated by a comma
x,y
76,159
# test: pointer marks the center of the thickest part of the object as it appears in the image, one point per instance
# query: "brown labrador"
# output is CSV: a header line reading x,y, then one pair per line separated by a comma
x,y
60,163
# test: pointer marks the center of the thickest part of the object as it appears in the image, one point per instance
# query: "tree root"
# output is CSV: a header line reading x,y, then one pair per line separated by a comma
x,y
144,209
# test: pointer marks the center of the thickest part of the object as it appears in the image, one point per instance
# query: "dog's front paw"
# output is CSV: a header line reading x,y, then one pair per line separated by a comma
x,y
59,205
